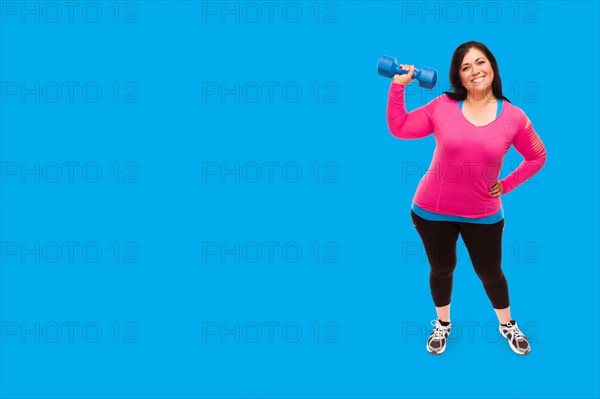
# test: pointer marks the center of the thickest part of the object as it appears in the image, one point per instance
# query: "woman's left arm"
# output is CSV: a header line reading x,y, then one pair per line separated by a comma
x,y
530,146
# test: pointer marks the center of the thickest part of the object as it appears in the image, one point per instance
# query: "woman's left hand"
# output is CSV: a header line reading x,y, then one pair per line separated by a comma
x,y
496,190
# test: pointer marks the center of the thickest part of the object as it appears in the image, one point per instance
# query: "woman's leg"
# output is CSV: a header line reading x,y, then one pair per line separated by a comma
x,y
443,313
484,243
439,240
503,315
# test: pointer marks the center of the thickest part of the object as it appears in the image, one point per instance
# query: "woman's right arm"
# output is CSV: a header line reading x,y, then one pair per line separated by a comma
x,y
412,125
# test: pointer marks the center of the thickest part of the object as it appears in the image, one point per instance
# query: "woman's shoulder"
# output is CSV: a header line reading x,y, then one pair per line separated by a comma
x,y
512,109
514,115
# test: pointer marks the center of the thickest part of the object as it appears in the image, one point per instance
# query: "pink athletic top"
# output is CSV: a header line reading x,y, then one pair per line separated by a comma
x,y
467,159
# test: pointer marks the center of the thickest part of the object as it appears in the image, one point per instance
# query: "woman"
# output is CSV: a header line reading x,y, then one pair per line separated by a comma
x,y
474,127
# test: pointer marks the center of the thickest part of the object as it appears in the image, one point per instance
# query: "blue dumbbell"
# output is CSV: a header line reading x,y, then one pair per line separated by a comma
x,y
388,67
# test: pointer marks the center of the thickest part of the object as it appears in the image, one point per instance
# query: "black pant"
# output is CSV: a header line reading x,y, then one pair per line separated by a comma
x,y
484,243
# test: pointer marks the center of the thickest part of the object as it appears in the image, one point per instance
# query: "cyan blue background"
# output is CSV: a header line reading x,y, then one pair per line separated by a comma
x,y
371,293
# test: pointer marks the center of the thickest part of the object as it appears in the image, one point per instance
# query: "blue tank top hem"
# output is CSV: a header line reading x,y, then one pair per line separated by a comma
x,y
439,217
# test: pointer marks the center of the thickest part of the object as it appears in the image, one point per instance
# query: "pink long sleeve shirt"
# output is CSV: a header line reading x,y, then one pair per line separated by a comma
x,y
467,158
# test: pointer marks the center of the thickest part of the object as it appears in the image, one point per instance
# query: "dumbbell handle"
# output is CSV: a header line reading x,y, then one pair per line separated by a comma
x,y
397,70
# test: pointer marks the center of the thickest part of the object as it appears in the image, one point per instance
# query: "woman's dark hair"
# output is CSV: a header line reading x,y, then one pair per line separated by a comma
x,y
459,92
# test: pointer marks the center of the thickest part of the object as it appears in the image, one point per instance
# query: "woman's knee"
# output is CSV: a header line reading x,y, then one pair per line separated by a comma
x,y
490,276
443,269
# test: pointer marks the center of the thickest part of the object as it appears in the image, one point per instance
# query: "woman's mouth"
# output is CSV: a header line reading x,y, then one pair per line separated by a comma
x,y
478,80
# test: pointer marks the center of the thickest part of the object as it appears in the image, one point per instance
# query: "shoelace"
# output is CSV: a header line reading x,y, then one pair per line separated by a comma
x,y
516,333
439,331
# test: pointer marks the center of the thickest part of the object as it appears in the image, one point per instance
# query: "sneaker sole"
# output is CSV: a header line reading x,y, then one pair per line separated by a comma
x,y
434,352
518,352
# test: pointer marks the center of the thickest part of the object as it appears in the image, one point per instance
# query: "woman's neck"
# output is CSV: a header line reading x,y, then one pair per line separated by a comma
x,y
480,101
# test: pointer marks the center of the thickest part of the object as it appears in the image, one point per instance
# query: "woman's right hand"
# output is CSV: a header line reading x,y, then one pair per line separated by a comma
x,y
405,79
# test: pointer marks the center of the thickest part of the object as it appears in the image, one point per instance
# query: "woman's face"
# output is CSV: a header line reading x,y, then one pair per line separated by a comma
x,y
476,73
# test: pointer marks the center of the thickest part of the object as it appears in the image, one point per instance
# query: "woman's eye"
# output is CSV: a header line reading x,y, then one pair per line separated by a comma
x,y
479,63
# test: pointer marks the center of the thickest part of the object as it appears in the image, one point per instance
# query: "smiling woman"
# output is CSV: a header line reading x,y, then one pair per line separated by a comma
x,y
477,76
474,126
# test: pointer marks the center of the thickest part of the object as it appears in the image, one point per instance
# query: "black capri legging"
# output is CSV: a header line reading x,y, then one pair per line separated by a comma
x,y
484,243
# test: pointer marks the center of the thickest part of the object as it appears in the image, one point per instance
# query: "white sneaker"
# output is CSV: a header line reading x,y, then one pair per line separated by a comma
x,y
517,341
436,343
